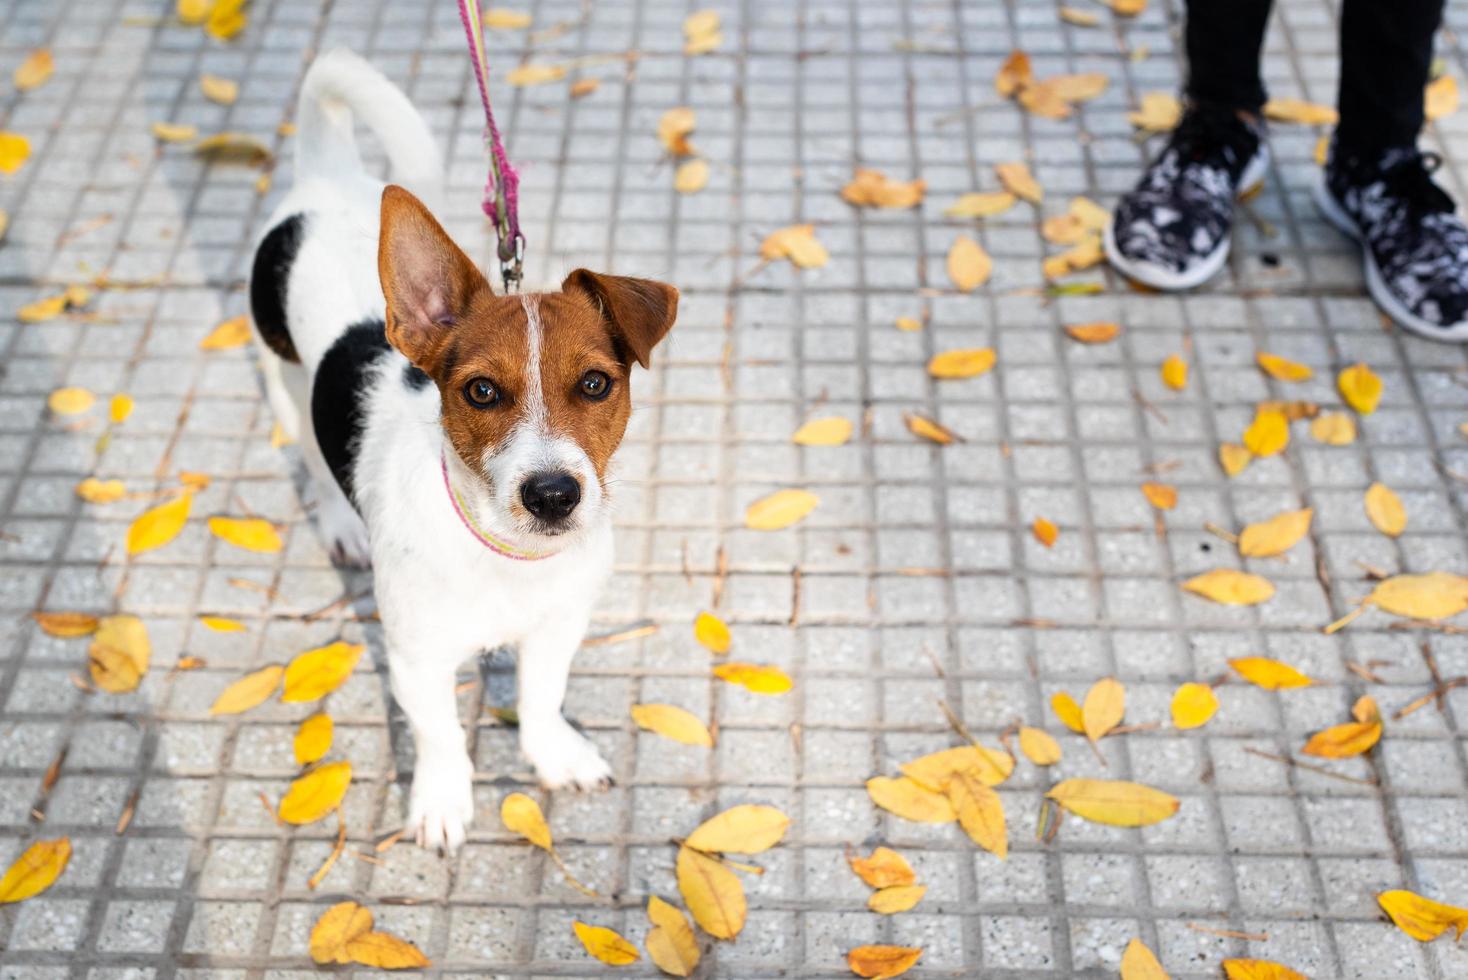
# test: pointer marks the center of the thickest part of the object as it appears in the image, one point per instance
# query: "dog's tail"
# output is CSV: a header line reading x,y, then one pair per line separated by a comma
x,y
340,86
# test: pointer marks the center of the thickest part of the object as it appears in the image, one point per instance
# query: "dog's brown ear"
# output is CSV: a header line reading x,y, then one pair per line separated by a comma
x,y
638,312
427,280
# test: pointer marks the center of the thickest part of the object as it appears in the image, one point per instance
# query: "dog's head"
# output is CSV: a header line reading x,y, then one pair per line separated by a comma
x,y
534,388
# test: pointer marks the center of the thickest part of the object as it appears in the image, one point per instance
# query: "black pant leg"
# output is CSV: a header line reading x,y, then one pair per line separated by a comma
x,y
1386,53
1223,41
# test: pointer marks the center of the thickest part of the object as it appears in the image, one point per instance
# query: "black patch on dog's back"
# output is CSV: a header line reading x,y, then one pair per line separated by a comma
x,y
269,278
415,378
339,395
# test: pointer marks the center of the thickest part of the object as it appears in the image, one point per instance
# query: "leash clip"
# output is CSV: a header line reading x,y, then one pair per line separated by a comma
x,y
510,271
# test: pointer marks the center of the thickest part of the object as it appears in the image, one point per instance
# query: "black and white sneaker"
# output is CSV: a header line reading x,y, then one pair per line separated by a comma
x,y
1415,245
1172,231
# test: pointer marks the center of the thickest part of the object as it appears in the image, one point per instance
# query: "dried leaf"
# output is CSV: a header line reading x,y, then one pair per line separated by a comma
x,y
521,815
338,926
882,962
1300,111
884,869
174,132
226,19
1281,368
1334,429
1230,587
1344,741
780,510
980,811
1275,536
1018,180
1360,387
1234,458
220,624
672,722
1385,511
232,333
1269,674
35,870
156,527
1435,595
933,770
1193,704
15,150
1042,99
910,801
1126,8
1078,17
386,952
1115,802
925,428
702,31
874,189
316,673
251,534
247,692
606,945
833,430
1159,112
1062,229
95,491
691,176
1077,88
712,633
316,794
671,944
969,266
313,738
533,74
798,244
1259,970
505,19
1163,496
120,653
712,892
1174,372
755,678
1440,98
1044,531
744,829
66,625
1014,74
1103,708
220,90
673,130
1421,918
1140,963
980,204
237,148
1268,434
585,87
896,898
962,363
70,401
119,408
1093,333
1068,711
34,71
908,324
1039,746
42,309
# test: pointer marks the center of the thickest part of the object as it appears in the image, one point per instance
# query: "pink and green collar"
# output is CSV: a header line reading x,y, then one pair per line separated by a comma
x,y
494,544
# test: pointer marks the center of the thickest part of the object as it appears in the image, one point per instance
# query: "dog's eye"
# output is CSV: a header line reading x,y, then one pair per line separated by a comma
x,y
595,385
482,393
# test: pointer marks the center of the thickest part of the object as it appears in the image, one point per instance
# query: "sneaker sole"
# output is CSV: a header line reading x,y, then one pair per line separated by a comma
x,y
1376,286
1167,280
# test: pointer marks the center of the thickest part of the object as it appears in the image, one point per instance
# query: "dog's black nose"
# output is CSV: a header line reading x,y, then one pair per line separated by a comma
x,y
551,496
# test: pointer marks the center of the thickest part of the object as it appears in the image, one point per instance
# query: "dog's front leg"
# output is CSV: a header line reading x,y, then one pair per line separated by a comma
x,y
441,803
561,755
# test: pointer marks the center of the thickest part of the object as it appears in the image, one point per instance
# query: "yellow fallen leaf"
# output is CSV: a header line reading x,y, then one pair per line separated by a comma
x,y
980,811
672,722
1014,74
908,324
962,363
702,31
70,401
874,189
316,673
232,333
15,149
247,692
522,815
220,624
583,88
35,870
239,148
1234,458
1115,802
691,176
251,534
1083,255
1078,17
316,794
1334,429
673,129
1062,229
933,770
1103,708
606,945
119,408
884,869
42,309
910,801
1175,372
896,898
1230,587
1366,710
1042,99
712,892
755,678
925,428
1281,368
882,962
833,430
1275,536
504,19
712,633
1259,970
34,70
969,266
95,491
1093,333
338,926
1018,180
780,510
1126,8
1421,918
194,482
1440,98
980,204
226,19
744,829
1068,711
1140,963
1385,511
798,244
1159,112
1039,746
1044,531
1344,741
220,90
671,944
1272,675
156,527
1193,705
386,952
1268,434
1360,387
313,738
66,625
174,132
1163,496
193,11
120,653
1300,111
1435,595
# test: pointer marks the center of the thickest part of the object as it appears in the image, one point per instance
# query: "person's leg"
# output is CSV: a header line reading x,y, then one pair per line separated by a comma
x,y
1224,38
1386,54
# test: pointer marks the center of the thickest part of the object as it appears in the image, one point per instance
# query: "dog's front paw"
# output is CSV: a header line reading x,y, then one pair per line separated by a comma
x,y
563,758
344,533
441,803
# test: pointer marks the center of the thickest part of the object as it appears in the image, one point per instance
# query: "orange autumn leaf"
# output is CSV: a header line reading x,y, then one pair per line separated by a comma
x,y
1044,531
1093,333
882,962
1281,368
961,363
884,869
1259,970
1174,372
925,428
755,678
1160,495
66,625
35,870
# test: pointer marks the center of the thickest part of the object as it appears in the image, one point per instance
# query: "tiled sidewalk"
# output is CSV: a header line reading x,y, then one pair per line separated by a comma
x,y
917,578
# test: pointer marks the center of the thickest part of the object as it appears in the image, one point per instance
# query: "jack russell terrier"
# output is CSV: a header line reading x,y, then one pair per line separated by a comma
x,y
458,440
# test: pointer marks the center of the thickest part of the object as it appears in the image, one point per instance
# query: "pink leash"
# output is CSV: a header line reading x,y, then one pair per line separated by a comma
x,y
502,188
